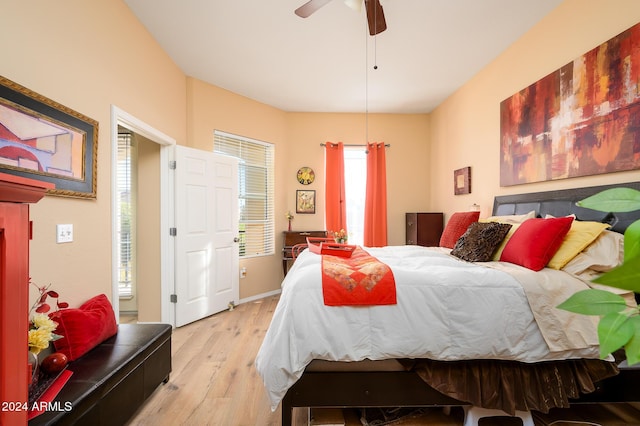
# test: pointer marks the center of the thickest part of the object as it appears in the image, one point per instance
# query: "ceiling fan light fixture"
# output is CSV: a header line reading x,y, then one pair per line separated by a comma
x,y
354,4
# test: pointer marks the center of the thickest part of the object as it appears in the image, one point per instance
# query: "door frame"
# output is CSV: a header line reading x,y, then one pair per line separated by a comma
x,y
167,255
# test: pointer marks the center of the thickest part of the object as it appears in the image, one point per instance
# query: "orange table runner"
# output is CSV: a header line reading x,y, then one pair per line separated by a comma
x,y
357,280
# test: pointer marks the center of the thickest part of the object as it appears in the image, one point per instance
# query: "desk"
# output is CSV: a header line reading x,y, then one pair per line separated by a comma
x,y
291,238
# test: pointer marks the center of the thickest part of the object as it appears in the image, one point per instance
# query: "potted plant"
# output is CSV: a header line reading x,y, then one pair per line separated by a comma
x,y
619,325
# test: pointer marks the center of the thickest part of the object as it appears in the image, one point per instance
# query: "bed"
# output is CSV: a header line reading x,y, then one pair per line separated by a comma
x,y
478,325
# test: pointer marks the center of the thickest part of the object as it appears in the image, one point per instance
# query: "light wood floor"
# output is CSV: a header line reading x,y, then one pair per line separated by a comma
x,y
214,380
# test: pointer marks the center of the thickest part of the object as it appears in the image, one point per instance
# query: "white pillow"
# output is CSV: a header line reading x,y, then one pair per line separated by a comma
x,y
604,254
512,218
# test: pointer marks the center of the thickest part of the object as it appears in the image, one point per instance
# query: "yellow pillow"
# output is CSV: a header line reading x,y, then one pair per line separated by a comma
x,y
577,239
498,253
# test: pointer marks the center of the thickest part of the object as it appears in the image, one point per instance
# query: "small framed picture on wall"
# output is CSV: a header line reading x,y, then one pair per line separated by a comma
x,y
305,201
462,181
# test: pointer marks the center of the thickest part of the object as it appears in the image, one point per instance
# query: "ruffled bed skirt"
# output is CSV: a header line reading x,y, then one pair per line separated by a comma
x,y
510,385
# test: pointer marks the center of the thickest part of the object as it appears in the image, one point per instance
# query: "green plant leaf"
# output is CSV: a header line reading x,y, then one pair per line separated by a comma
x,y
625,276
632,241
613,200
632,348
614,331
594,302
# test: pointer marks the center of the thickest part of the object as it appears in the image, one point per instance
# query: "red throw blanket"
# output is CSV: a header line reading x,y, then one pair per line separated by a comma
x,y
357,280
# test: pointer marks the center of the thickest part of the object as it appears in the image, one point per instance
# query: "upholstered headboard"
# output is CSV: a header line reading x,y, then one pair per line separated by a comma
x,y
563,203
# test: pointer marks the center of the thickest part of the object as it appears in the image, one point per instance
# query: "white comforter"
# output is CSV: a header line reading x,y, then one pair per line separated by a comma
x,y
447,309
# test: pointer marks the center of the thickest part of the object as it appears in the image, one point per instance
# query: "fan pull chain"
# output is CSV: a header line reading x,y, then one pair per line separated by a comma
x,y
375,52
366,74
366,90
375,39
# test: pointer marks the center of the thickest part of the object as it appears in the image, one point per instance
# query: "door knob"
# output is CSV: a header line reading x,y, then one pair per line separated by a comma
x,y
236,240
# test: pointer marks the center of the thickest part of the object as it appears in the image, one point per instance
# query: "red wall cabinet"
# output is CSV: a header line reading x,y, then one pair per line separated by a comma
x,y
15,232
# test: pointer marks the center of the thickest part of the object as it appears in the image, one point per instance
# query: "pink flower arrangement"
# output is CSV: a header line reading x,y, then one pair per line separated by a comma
x,y
340,236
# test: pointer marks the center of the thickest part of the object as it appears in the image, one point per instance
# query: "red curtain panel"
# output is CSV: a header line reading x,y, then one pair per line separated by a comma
x,y
335,202
375,210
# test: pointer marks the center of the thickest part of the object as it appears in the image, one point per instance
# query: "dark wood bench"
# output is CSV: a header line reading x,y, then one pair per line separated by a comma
x,y
112,381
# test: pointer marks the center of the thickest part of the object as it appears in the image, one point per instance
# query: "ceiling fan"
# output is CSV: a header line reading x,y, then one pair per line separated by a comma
x,y
375,14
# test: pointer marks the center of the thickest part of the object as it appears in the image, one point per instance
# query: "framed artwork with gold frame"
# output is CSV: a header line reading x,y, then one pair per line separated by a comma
x,y
47,141
305,201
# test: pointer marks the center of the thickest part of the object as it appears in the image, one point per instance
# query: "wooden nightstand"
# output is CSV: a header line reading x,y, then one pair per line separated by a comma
x,y
424,229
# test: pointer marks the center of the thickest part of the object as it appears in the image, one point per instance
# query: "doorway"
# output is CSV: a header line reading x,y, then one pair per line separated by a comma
x,y
138,230
154,204
126,234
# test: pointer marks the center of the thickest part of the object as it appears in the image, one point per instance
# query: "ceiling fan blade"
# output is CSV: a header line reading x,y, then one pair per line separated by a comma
x,y
310,7
375,17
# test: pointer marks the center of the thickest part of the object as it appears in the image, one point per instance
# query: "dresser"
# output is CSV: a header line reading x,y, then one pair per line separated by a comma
x,y
424,229
291,238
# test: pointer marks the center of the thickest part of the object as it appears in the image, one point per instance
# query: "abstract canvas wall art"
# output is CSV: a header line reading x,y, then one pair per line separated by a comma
x,y
44,140
582,119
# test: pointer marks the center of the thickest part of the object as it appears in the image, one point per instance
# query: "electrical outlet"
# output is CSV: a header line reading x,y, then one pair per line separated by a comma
x,y
64,233
243,272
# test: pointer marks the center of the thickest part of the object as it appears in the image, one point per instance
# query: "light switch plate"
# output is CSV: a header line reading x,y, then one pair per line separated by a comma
x,y
64,233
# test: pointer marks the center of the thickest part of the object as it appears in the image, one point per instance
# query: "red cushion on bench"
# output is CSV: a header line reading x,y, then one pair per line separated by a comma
x,y
84,328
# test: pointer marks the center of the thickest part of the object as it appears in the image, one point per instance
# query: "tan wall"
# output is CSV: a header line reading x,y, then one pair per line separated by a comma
x,y
407,161
465,129
87,56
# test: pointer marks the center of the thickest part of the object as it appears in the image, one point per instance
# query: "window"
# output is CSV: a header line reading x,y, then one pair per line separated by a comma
x,y
255,191
126,214
355,181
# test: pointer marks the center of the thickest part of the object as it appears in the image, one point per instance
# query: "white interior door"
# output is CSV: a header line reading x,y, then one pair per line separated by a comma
x,y
206,262
225,285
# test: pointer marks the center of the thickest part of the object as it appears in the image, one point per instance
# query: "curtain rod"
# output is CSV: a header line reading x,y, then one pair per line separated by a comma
x,y
361,145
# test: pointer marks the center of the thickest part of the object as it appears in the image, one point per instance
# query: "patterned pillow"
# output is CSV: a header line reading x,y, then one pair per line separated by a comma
x,y
480,241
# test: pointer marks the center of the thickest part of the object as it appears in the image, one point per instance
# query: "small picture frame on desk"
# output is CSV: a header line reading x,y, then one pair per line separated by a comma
x,y
305,201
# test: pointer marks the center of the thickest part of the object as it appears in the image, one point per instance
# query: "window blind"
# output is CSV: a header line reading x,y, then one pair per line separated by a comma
x,y
255,191
126,214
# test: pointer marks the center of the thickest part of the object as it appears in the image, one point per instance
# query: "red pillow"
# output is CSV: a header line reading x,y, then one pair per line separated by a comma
x,y
84,328
536,241
456,226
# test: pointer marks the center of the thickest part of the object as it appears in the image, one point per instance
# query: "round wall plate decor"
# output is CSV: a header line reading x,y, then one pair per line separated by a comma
x,y
306,175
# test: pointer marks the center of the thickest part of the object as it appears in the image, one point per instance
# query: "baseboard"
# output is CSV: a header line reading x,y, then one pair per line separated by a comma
x,y
259,296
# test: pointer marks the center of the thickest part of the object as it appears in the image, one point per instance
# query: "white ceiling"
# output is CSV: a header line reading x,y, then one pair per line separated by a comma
x,y
260,49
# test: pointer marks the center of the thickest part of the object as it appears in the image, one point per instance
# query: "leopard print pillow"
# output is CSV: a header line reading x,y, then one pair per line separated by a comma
x,y
480,241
